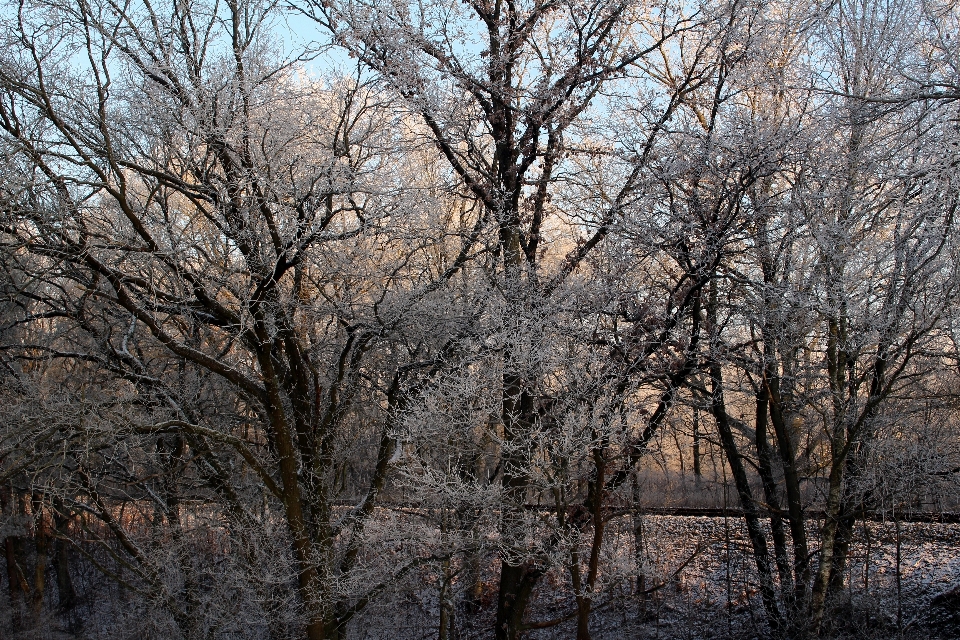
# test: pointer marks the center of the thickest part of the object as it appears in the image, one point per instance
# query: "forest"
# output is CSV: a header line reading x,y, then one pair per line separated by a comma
x,y
454,319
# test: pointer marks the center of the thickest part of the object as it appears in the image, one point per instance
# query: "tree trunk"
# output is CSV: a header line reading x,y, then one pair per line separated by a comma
x,y
697,465
828,537
737,469
765,467
639,548
516,586
517,580
61,557
751,513
41,539
16,581
13,550
791,479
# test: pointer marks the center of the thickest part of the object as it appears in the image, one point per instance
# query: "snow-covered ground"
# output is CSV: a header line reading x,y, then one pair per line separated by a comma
x,y
699,569
714,594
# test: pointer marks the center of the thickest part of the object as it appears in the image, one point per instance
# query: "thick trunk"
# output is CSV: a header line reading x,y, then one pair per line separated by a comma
x,y
65,590
309,585
517,579
516,586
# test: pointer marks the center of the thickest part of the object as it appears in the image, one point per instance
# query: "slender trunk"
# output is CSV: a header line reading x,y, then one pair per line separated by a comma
x,y
41,540
639,549
839,368
61,557
13,550
697,467
866,561
896,519
595,502
741,482
765,467
16,581
777,401
583,605
791,480
445,608
751,512
473,578
583,618
828,536
470,601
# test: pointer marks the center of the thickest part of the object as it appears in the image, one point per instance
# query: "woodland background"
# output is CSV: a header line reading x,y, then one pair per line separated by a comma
x,y
362,318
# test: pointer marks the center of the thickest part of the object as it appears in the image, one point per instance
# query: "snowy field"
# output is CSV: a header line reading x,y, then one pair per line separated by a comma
x,y
709,588
698,572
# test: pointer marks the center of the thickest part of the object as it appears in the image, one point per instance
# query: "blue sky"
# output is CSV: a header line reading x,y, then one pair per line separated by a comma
x,y
298,32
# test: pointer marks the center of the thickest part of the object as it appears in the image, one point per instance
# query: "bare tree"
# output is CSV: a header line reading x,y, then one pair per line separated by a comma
x,y
838,245
290,341
506,92
196,234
